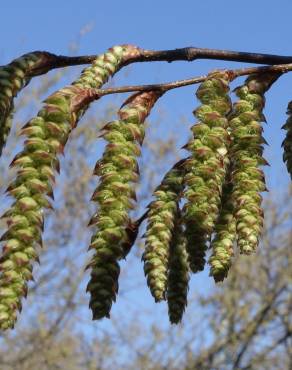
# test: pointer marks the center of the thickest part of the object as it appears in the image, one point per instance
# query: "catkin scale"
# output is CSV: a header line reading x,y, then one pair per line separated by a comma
x,y
118,169
47,135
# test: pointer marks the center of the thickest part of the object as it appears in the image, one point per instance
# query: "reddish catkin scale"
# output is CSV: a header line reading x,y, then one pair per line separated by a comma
x,y
47,135
118,170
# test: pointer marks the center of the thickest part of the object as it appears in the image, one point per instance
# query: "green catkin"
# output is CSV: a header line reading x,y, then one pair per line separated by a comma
x,y
287,143
206,168
246,151
178,275
13,77
160,224
47,135
117,169
225,235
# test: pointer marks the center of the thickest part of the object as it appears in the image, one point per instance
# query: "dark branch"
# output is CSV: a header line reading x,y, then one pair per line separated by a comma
x,y
193,53
88,95
52,61
257,322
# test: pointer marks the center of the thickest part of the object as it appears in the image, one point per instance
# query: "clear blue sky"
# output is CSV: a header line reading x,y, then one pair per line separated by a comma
x,y
258,26
247,25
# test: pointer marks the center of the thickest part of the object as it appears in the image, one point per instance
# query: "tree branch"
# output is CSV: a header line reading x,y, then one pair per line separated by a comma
x,y
51,61
86,96
193,53
256,323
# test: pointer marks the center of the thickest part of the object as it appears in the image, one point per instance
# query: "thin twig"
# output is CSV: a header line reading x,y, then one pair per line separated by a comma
x,y
92,94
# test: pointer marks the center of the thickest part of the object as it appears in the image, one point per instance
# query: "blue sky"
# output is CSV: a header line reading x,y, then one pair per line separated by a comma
x,y
257,26
248,26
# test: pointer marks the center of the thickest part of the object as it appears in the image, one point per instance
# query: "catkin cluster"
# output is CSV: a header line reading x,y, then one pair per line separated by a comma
x,y
247,156
47,135
219,184
118,170
287,143
161,220
13,77
206,168
212,198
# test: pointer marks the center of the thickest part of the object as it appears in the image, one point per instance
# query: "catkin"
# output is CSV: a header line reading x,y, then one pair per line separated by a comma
x,y
206,168
287,142
178,275
117,169
225,234
247,154
160,225
13,77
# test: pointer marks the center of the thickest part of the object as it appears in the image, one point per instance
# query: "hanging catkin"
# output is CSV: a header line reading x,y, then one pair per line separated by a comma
x,y
206,168
178,275
13,77
160,224
287,143
117,169
247,155
225,234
